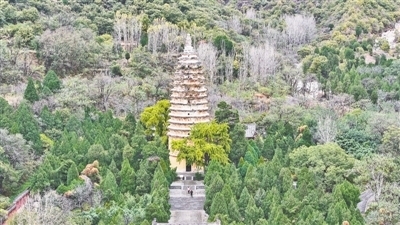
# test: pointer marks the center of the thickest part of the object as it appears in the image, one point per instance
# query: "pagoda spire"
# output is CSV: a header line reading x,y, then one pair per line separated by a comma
x,y
188,45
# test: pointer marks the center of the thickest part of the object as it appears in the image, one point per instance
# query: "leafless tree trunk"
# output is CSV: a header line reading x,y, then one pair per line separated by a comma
x,y
263,63
50,209
326,129
235,25
127,30
164,36
299,29
208,57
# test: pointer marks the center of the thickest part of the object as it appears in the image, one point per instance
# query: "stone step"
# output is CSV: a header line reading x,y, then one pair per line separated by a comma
x,y
184,193
187,203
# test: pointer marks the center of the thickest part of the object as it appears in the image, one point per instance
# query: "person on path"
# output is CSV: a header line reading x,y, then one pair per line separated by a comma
x,y
191,193
188,190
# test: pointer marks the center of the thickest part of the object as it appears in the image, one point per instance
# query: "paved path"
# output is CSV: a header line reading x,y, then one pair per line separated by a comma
x,y
185,209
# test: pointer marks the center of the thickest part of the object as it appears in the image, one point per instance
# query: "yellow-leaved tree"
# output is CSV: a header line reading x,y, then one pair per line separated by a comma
x,y
207,141
155,119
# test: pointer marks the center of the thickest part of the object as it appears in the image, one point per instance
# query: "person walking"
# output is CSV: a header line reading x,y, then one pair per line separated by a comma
x,y
188,190
191,193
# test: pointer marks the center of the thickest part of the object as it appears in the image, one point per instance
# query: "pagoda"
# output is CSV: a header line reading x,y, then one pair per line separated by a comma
x,y
189,104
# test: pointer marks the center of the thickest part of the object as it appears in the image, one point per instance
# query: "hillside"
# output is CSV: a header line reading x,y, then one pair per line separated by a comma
x,y
320,79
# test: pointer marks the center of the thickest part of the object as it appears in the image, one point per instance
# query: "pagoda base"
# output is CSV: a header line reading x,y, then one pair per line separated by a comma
x,y
181,166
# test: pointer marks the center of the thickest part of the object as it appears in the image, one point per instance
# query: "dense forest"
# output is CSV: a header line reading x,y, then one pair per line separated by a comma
x,y
84,89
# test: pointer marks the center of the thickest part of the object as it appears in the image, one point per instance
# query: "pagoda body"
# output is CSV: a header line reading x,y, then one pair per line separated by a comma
x,y
189,104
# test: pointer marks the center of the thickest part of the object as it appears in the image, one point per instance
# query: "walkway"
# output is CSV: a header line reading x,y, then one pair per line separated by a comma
x,y
185,209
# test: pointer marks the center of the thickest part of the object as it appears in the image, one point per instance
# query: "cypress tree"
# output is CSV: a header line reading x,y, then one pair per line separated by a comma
x,y
72,174
216,186
109,186
142,179
235,183
127,176
30,93
252,213
26,124
239,143
227,193
243,201
218,206
51,81
234,214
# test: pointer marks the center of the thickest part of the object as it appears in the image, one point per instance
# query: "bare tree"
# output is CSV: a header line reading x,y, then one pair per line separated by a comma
x,y
49,209
326,129
128,30
17,150
104,86
208,57
300,29
235,24
164,36
263,63
251,14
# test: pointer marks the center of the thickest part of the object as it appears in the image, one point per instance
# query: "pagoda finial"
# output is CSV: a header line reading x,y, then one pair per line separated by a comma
x,y
188,44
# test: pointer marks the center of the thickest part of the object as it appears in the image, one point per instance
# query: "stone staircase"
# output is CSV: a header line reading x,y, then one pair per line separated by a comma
x,y
185,209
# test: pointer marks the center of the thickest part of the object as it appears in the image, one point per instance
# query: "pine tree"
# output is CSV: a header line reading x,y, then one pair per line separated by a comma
x,y
127,176
30,93
51,81
218,206
72,173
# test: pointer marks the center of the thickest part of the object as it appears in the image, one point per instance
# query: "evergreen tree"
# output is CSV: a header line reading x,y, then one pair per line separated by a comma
x,y
251,181
268,149
218,206
225,114
252,213
114,169
51,81
213,169
109,186
159,180
127,176
30,93
129,125
239,143
227,193
143,179
137,143
243,201
235,183
72,173
277,216
5,112
26,124
47,118
216,186
233,211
